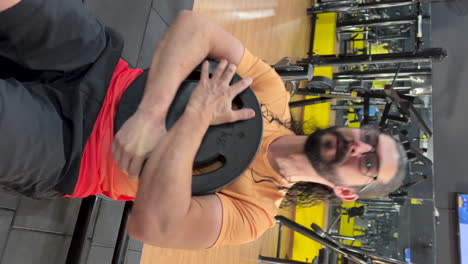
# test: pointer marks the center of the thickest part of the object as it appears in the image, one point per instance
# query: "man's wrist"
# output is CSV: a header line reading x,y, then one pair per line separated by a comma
x,y
153,114
194,114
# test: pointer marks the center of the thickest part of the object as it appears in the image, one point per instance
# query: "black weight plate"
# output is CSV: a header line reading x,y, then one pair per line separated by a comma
x,y
237,143
359,89
322,82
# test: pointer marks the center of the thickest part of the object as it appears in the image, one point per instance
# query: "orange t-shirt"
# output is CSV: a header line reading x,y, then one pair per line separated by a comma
x,y
249,206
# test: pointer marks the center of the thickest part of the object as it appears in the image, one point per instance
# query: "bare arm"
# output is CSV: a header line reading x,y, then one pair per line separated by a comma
x,y
185,45
5,4
164,208
187,42
165,214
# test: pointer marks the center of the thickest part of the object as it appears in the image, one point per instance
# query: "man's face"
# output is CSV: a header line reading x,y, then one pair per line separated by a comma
x,y
352,157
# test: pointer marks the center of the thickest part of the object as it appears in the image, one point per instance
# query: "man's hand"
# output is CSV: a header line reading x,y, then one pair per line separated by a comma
x,y
178,53
213,96
138,136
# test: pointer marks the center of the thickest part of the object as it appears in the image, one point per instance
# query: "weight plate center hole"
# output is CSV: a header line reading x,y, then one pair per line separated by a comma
x,y
237,103
210,166
195,76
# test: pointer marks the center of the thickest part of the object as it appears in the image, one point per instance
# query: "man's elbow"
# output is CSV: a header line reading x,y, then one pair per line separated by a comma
x,y
190,16
186,17
140,229
184,14
150,232
192,21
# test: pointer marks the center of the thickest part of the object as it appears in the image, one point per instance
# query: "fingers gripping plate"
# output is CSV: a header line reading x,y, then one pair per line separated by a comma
x,y
233,146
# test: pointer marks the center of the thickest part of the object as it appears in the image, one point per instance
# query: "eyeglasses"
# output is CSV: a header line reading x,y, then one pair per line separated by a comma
x,y
369,162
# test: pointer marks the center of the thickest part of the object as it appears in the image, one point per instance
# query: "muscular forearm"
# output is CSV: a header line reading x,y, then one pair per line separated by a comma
x,y
164,194
165,213
187,42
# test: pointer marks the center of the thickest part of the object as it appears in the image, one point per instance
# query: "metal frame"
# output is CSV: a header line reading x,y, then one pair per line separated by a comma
x,y
121,245
322,237
352,6
381,73
77,251
357,24
263,259
427,55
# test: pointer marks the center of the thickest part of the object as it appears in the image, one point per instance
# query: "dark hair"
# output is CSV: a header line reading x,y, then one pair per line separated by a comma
x,y
307,194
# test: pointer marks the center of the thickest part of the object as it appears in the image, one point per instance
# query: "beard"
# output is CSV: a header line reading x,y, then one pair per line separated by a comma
x,y
317,144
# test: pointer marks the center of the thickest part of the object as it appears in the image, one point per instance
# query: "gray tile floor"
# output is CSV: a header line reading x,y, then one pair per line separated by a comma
x,y
39,232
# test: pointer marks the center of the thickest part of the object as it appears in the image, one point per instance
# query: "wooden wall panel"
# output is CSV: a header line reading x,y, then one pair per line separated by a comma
x,y
271,29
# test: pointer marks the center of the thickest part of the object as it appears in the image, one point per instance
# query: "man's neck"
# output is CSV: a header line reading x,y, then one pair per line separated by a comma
x,y
287,157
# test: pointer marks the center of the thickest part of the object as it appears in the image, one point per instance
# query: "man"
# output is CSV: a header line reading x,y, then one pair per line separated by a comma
x,y
58,111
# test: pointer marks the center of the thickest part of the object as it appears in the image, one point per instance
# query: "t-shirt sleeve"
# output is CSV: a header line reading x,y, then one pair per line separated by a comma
x,y
242,221
267,84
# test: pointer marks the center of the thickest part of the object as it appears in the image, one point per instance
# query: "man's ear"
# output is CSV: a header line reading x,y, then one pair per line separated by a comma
x,y
346,194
